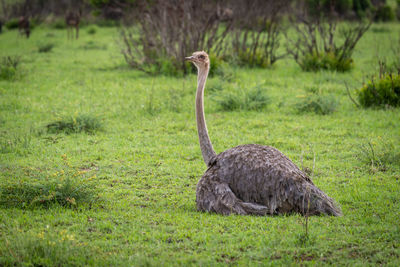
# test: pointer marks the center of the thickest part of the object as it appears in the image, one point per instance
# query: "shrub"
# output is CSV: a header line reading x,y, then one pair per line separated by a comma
x,y
165,36
240,99
256,31
381,93
12,24
45,48
8,67
384,13
81,123
325,61
59,24
91,30
324,42
398,10
67,187
317,104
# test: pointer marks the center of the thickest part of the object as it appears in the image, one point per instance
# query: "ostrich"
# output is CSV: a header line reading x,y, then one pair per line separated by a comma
x,y
251,179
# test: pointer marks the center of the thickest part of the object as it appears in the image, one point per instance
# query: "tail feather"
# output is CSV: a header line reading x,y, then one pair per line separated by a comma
x,y
316,202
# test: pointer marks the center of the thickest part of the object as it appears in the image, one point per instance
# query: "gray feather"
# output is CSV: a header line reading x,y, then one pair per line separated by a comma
x,y
259,180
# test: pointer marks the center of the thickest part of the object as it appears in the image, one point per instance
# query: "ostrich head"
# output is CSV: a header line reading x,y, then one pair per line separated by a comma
x,y
200,60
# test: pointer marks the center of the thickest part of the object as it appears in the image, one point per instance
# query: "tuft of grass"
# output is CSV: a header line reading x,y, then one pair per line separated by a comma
x,y
91,30
9,67
241,99
67,187
81,123
317,104
378,155
91,45
47,247
59,24
17,143
45,48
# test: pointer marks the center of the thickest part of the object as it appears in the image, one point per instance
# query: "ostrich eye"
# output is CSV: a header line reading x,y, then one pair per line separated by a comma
x,y
202,57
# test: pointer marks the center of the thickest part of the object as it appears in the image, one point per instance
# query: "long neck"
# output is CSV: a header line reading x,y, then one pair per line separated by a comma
x,y
205,143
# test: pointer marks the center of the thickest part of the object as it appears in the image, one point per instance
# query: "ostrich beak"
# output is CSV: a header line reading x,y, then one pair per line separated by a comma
x,y
191,58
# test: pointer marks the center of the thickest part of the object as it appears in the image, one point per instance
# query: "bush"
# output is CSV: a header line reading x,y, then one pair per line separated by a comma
x,y
80,123
9,67
67,187
253,99
12,24
381,93
45,48
59,24
160,43
91,30
398,10
384,13
324,42
325,61
317,104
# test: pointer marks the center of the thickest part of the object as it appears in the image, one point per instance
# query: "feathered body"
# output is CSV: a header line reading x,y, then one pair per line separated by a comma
x,y
251,179
260,180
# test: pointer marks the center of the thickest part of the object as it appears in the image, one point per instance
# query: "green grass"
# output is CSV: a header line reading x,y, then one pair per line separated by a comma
x,y
144,164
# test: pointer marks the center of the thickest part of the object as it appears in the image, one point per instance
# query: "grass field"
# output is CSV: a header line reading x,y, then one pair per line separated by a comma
x,y
129,184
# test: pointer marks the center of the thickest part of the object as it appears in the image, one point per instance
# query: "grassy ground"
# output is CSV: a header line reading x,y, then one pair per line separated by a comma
x,y
129,187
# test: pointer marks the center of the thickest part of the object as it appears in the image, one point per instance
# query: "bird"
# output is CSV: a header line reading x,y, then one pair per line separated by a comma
x,y
251,179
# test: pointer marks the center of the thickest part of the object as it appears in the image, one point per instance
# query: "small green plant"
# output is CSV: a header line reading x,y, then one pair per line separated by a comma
x,y
379,155
9,67
325,61
151,107
91,45
76,124
59,24
381,93
240,99
175,100
91,30
316,103
68,187
45,48
12,24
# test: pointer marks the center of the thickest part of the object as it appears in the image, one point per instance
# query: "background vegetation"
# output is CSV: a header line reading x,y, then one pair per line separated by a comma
x,y
99,162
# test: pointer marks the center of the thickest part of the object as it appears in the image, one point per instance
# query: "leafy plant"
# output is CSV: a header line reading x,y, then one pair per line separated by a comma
x,y
241,99
9,67
80,123
45,48
383,92
59,24
325,61
67,187
384,13
12,24
91,30
316,103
